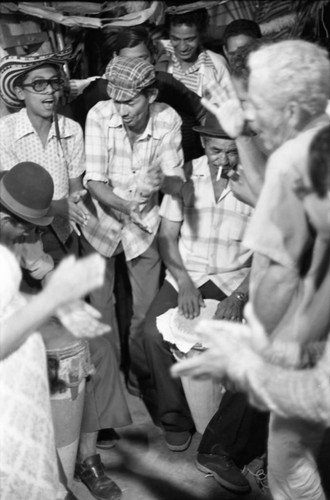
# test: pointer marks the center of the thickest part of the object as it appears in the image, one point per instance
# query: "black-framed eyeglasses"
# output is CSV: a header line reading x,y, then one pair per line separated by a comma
x,y
42,84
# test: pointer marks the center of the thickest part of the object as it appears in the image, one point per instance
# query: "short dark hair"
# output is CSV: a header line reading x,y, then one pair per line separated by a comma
x,y
238,65
198,18
131,37
319,161
241,27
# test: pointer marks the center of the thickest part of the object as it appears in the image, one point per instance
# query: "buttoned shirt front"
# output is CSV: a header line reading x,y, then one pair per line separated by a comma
x,y
126,168
64,159
210,241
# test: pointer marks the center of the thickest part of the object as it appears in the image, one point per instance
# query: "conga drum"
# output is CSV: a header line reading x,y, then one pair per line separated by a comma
x,y
203,396
69,364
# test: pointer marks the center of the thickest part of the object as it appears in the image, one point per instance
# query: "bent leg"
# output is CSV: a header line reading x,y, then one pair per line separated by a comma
x,y
172,408
105,404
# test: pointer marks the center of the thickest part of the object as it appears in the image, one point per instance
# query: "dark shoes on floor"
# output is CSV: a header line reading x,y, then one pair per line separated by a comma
x,y
91,473
107,439
224,471
178,441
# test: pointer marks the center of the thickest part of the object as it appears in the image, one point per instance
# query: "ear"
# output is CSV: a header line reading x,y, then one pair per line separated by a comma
x,y
294,115
20,93
153,95
225,51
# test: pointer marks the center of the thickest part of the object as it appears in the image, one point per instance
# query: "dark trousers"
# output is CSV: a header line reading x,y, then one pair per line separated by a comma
x,y
168,397
237,429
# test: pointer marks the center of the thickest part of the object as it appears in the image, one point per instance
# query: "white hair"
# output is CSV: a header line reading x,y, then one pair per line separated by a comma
x,y
295,70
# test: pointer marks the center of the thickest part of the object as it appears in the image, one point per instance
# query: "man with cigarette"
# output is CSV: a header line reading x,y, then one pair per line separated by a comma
x,y
201,245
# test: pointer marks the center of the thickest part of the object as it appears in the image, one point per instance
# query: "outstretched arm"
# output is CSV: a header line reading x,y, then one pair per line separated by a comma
x,y
71,280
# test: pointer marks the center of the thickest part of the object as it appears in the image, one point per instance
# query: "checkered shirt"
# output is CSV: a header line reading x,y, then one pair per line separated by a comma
x,y
210,241
208,66
111,159
20,142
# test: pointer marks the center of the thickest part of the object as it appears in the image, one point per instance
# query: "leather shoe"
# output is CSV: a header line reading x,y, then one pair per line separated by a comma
x,y
224,471
91,473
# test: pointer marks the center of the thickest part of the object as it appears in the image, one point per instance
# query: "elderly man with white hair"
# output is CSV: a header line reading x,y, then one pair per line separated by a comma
x,y
287,97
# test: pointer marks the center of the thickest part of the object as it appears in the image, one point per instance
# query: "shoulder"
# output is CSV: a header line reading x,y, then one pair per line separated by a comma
x,y
215,58
10,120
103,109
164,115
70,126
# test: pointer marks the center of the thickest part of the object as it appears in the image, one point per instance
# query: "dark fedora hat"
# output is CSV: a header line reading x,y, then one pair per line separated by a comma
x,y
211,127
27,192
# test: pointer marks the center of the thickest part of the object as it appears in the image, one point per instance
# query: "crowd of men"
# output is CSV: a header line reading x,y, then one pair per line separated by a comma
x,y
210,174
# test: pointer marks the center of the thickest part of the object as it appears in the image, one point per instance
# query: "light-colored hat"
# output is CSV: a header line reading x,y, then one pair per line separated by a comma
x,y
11,67
127,77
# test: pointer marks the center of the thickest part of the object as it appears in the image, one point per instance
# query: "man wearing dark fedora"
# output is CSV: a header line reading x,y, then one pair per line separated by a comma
x,y
201,245
26,193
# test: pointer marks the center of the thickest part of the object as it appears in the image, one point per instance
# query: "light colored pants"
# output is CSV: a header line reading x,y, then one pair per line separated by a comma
x,y
292,449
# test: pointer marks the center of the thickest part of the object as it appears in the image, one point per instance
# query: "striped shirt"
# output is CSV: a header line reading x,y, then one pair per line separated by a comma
x,y
208,66
111,159
210,241
64,161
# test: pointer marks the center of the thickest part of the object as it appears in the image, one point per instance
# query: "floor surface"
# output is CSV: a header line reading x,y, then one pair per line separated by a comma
x,y
145,469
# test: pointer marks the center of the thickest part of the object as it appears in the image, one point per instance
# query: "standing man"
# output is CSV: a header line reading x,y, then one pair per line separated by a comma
x,y
296,75
132,145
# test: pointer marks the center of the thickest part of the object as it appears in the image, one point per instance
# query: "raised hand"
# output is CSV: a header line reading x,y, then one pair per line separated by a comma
x,y
82,320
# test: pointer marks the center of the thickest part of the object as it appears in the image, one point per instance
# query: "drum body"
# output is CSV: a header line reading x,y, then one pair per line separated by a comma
x,y
203,396
72,361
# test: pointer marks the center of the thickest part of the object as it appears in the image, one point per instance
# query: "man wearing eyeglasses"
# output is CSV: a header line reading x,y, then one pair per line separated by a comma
x,y
36,133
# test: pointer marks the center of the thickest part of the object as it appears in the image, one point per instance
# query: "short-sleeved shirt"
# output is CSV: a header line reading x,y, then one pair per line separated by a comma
x,y
279,229
111,159
208,66
210,241
64,159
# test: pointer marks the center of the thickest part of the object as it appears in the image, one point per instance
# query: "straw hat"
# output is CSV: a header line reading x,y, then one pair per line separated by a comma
x,y
11,67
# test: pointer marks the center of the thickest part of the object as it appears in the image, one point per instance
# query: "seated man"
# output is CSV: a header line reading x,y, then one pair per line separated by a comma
x,y
201,246
25,195
289,378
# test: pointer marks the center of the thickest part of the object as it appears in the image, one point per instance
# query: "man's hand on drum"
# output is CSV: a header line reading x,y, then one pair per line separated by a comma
x,y
190,299
82,320
74,279
231,347
231,309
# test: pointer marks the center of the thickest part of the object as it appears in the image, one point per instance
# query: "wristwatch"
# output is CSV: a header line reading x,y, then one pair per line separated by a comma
x,y
241,296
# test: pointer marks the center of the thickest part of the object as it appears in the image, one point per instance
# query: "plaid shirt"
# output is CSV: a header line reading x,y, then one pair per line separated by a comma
x,y
111,159
210,241
20,142
209,66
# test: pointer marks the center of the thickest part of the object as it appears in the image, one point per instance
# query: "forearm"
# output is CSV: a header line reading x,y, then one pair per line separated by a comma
x,y
273,291
303,394
104,193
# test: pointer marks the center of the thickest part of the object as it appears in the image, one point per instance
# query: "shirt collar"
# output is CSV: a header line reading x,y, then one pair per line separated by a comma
x,y
151,129
24,127
200,61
